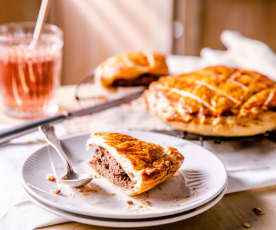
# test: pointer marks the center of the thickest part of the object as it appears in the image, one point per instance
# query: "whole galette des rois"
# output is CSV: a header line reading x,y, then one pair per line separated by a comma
x,y
215,101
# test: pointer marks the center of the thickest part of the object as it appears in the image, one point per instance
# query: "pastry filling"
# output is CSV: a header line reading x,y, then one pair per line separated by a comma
x,y
105,165
143,80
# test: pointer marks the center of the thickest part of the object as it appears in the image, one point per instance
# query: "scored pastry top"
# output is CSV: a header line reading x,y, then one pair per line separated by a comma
x,y
130,66
212,95
212,92
142,165
141,154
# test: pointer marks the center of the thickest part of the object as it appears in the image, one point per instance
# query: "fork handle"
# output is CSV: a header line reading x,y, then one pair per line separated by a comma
x,y
49,133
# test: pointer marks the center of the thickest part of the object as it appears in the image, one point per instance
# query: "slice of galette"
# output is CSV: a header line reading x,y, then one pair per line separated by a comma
x,y
132,164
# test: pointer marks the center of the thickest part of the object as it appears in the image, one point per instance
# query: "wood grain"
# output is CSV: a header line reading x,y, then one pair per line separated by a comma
x,y
253,18
18,10
205,20
189,13
234,210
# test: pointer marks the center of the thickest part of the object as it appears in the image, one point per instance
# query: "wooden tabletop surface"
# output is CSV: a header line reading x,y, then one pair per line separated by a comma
x,y
234,211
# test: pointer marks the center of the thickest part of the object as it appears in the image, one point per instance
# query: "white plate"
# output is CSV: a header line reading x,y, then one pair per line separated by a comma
x,y
130,222
173,196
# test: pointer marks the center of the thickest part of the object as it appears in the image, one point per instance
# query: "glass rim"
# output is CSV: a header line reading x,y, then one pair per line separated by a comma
x,y
53,28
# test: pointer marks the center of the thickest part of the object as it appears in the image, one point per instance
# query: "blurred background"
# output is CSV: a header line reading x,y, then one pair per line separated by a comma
x,y
94,30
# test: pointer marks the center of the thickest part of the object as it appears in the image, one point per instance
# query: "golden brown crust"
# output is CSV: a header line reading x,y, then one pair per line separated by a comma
x,y
143,155
151,162
218,100
130,66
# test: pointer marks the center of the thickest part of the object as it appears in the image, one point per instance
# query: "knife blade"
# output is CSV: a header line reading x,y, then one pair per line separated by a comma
x,y
20,130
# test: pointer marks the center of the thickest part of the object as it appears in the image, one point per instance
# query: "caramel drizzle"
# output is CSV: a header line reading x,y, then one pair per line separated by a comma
x,y
180,107
232,79
190,95
218,91
269,98
127,61
150,58
238,84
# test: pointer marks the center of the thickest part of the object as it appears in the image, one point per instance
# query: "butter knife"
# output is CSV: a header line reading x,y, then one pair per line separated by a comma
x,y
20,130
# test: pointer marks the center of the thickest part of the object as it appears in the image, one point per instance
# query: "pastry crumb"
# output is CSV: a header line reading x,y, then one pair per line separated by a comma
x,y
81,189
130,202
101,97
30,142
51,178
246,225
86,189
41,141
258,211
182,198
57,191
71,194
146,203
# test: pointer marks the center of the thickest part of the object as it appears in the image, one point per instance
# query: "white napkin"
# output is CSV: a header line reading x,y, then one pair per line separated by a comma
x,y
242,52
16,211
250,165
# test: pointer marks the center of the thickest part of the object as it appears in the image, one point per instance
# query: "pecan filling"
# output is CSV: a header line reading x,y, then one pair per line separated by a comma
x,y
105,165
143,80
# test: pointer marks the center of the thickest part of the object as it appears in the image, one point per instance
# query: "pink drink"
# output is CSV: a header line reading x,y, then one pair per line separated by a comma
x,y
29,77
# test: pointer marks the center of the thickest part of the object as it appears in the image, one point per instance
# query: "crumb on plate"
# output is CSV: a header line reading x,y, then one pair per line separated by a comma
x,y
86,189
71,194
146,203
52,178
57,191
130,202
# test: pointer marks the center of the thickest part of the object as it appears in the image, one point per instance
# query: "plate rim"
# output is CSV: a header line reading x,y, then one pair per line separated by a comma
x,y
134,224
120,216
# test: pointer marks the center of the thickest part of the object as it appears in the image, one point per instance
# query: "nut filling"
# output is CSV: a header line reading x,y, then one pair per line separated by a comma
x,y
143,80
106,165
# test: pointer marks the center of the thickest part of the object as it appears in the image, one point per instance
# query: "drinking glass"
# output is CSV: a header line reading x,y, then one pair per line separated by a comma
x,y
29,76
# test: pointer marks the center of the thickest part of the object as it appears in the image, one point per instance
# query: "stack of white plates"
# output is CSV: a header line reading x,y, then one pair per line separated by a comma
x,y
197,186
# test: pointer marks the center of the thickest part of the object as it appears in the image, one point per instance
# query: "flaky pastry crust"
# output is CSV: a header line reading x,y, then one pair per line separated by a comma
x,y
147,164
215,101
130,67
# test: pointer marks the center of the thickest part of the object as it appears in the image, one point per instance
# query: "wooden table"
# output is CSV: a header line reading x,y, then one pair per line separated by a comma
x,y
231,213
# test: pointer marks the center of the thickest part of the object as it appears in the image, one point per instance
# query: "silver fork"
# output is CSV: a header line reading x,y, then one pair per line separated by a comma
x,y
71,178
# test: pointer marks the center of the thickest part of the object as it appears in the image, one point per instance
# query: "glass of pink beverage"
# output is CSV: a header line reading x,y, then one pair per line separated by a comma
x,y
29,76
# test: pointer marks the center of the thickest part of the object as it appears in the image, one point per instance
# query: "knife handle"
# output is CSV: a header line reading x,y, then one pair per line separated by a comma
x,y
10,133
